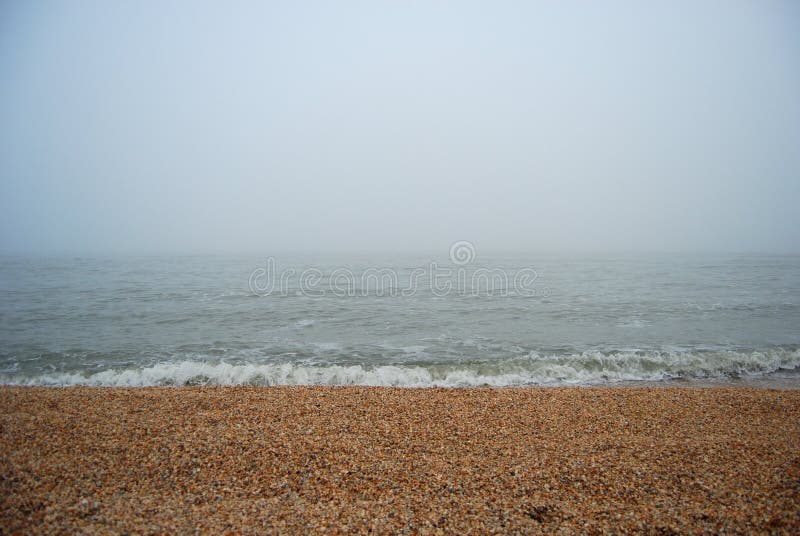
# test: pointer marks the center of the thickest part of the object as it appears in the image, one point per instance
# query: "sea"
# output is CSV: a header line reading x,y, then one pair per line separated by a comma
x,y
456,318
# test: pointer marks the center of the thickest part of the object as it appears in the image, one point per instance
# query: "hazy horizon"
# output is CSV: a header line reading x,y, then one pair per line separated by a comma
x,y
548,127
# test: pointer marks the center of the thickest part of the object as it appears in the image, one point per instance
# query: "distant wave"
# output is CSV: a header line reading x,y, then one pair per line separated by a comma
x,y
588,368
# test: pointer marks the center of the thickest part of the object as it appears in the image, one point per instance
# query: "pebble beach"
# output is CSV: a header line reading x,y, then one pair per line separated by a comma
x,y
296,460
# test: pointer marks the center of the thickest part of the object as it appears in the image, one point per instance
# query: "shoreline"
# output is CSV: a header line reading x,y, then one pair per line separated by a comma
x,y
402,460
782,383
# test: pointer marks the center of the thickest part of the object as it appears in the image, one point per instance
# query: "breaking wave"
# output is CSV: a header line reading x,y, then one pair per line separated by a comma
x,y
588,368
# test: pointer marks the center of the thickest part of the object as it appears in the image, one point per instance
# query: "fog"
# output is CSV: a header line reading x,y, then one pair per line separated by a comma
x,y
194,127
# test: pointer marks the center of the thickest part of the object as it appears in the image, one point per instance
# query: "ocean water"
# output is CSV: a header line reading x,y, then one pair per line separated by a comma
x,y
401,320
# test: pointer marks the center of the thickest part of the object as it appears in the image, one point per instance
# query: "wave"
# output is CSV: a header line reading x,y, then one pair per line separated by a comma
x,y
587,368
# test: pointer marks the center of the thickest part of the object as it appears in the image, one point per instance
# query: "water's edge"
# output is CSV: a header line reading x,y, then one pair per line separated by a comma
x,y
779,366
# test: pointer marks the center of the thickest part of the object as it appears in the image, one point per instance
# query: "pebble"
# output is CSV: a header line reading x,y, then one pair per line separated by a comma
x,y
296,460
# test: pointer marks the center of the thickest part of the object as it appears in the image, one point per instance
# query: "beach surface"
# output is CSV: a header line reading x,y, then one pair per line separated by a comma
x,y
360,459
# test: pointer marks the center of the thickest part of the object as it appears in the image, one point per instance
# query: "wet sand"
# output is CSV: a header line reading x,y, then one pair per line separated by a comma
x,y
314,459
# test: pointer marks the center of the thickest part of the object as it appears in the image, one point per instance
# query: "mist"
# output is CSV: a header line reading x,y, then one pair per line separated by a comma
x,y
201,127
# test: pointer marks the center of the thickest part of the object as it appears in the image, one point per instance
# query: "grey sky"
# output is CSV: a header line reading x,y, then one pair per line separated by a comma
x,y
142,126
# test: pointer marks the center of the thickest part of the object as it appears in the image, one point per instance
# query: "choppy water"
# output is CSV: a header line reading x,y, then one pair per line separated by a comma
x,y
580,320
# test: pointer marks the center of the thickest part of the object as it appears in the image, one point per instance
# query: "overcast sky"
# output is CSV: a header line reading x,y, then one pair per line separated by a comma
x,y
163,126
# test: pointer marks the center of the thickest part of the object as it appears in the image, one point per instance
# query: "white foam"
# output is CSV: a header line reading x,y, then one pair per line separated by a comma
x,y
556,369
